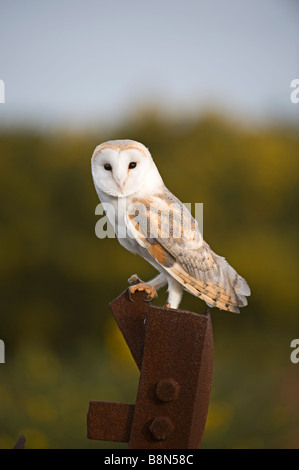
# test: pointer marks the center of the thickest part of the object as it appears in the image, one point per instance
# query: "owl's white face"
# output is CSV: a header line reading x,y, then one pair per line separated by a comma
x,y
121,168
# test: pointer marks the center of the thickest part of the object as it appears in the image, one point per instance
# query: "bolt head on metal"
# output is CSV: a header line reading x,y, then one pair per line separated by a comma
x,y
167,390
161,427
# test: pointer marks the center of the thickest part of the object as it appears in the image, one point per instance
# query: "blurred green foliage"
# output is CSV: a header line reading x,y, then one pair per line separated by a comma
x,y
62,346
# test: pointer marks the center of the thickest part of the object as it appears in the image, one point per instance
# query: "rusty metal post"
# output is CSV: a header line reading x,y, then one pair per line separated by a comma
x,y
20,444
173,350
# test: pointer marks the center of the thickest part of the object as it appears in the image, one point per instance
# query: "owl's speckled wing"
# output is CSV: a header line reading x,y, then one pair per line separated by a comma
x,y
163,225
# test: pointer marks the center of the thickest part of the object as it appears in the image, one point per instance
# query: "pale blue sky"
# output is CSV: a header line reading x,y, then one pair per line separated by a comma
x,y
76,62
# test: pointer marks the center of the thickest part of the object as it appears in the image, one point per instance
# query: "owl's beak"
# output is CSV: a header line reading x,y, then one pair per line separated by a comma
x,y
120,184
120,179
121,187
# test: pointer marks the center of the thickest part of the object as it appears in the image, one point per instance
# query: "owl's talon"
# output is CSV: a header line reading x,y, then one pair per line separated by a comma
x,y
142,287
129,295
167,305
133,279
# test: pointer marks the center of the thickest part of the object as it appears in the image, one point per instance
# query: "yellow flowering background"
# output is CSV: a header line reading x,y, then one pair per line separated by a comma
x,y
63,347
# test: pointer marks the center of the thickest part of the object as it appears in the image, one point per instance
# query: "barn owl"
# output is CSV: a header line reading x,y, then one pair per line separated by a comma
x,y
150,221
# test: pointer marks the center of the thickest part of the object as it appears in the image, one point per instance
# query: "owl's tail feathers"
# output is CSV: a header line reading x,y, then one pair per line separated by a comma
x,y
234,283
227,291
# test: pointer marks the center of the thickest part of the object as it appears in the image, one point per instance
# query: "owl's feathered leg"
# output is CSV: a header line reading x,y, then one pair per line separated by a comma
x,y
158,281
149,287
175,293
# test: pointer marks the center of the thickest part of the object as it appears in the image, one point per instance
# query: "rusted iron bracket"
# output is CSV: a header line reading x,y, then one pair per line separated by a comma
x,y
173,350
20,444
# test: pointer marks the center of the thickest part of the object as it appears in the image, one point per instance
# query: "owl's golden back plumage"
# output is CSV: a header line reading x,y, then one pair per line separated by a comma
x,y
164,226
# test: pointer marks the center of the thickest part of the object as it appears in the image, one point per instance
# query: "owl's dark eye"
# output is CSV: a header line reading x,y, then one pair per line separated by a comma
x,y
108,167
132,165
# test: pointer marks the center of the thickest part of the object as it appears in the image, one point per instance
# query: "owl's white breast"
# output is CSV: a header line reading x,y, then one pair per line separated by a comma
x,y
116,209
